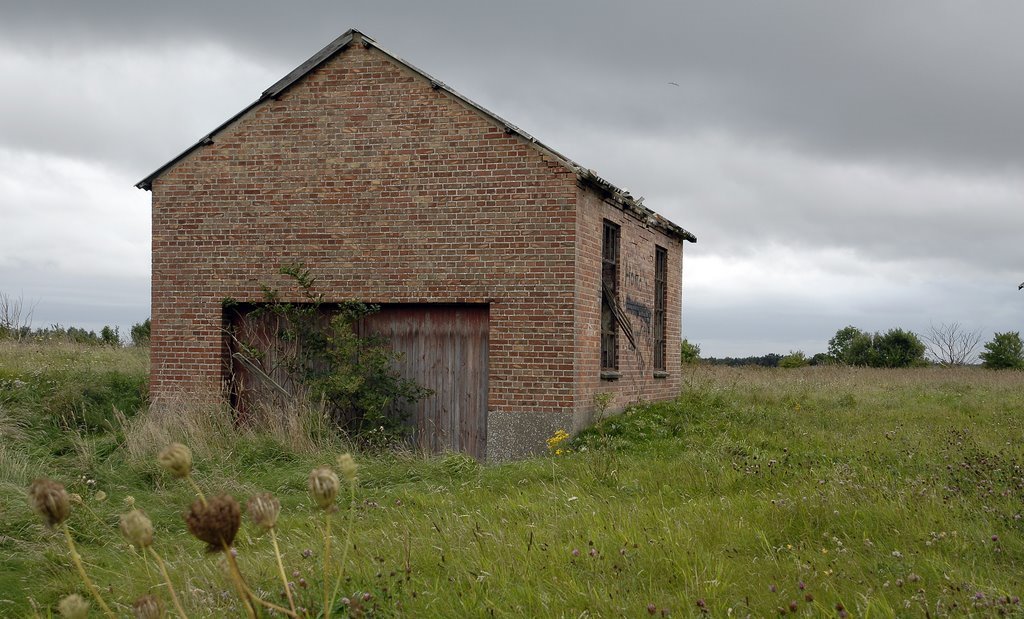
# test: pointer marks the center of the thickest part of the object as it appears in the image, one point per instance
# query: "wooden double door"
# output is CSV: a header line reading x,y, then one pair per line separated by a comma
x,y
442,347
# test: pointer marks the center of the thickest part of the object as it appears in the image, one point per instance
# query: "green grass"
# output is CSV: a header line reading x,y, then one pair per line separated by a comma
x,y
891,492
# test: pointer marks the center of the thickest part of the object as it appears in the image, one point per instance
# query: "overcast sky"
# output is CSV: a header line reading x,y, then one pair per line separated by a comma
x,y
840,163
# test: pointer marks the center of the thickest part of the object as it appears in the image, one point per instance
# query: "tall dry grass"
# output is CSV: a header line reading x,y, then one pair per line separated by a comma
x,y
210,427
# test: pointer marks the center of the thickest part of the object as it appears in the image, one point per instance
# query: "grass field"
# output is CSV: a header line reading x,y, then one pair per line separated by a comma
x,y
814,492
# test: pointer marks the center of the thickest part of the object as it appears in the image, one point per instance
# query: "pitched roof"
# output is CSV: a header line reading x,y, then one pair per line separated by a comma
x,y
586,176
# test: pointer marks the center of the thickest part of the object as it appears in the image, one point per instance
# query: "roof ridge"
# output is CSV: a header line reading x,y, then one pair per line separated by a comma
x,y
619,196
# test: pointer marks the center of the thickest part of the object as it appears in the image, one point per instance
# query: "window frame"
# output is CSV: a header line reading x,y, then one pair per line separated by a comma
x,y
611,240
660,325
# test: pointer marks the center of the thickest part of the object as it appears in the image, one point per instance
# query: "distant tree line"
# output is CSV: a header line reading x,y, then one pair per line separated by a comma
x,y
947,345
107,336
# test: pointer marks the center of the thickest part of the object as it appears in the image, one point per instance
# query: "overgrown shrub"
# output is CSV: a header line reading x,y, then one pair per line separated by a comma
x,y
895,348
352,373
795,359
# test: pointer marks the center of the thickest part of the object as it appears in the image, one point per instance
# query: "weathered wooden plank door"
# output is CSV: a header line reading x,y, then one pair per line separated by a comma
x,y
444,348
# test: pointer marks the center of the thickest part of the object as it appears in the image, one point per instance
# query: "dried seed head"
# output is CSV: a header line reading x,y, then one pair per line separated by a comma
x,y
348,467
216,522
147,607
49,499
264,509
73,606
137,528
323,486
177,459
100,496
76,499
129,501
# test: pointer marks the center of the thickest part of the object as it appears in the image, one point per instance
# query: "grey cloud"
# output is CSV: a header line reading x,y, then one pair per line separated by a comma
x,y
912,80
877,142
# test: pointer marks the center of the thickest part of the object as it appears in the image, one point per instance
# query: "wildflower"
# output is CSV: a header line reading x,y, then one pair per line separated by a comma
x,y
347,465
177,459
215,522
263,510
651,609
555,441
73,606
147,607
49,499
575,552
323,486
129,501
137,528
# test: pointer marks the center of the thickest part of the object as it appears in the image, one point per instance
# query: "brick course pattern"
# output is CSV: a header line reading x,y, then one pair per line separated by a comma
x,y
394,191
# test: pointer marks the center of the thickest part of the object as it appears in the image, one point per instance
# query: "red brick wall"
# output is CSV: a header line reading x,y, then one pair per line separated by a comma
x,y
637,242
391,191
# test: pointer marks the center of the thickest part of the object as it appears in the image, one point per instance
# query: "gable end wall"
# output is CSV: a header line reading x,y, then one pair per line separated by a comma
x,y
389,191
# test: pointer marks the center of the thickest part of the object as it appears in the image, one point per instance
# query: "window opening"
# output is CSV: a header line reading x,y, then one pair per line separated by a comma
x,y
609,288
660,301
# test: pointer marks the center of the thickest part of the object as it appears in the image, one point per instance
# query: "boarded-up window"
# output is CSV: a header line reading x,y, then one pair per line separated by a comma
x,y
660,301
609,290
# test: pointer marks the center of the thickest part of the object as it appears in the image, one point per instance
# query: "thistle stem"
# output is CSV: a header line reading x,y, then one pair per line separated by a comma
x,y
196,489
236,578
248,595
77,560
327,560
280,570
270,605
348,539
167,579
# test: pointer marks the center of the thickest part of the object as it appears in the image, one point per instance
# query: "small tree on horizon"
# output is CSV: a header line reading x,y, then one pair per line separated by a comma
x,y
689,353
1004,351
951,344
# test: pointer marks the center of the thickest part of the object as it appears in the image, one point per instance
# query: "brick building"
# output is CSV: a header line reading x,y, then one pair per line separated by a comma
x,y
518,283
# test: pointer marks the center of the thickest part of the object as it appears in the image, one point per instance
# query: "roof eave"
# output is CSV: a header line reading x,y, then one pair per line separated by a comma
x,y
626,202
